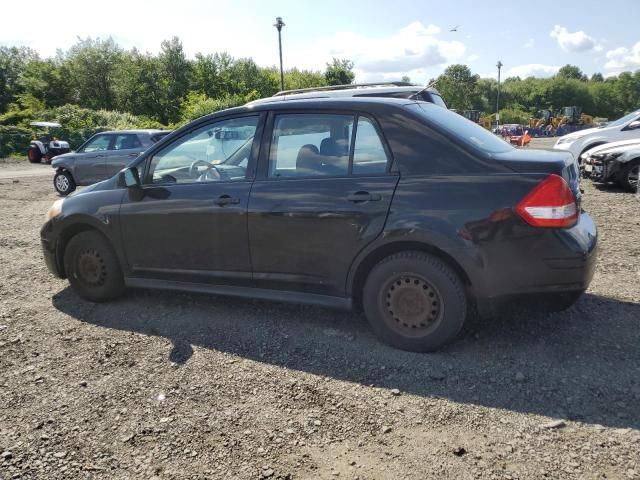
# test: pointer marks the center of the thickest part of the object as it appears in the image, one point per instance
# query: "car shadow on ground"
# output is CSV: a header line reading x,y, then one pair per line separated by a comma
x,y
582,364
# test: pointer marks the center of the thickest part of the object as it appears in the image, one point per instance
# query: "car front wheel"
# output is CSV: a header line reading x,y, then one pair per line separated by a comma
x,y
92,267
414,301
63,183
629,176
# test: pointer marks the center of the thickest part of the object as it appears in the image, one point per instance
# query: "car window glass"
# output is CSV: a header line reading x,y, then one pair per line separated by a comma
x,y
126,141
369,155
97,144
215,152
305,145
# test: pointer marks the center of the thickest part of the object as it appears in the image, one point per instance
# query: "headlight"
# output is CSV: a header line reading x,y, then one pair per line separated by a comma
x,y
564,140
55,210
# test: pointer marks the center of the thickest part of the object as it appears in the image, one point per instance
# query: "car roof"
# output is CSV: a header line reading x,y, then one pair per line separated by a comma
x,y
149,131
354,91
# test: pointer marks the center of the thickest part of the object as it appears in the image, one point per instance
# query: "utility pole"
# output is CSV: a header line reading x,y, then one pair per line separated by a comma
x,y
499,65
279,24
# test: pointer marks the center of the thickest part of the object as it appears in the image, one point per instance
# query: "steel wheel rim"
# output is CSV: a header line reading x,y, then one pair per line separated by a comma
x,y
91,268
412,306
62,183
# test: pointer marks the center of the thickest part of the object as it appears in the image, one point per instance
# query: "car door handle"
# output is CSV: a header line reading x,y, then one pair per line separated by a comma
x,y
360,197
134,154
226,200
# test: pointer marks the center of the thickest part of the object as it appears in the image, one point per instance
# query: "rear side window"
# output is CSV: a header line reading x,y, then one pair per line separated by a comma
x,y
369,155
126,141
310,145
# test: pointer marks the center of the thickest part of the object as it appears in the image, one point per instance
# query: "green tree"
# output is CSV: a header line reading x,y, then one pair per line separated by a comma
x,y
176,74
92,66
13,61
458,86
571,71
339,72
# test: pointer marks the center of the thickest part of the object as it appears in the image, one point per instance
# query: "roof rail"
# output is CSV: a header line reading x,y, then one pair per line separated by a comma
x,y
344,87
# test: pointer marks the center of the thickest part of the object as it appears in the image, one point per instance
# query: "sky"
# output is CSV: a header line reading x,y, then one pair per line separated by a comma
x,y
385,39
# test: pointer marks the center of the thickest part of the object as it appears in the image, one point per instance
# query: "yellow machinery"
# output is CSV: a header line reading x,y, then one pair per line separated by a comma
x,y
477,117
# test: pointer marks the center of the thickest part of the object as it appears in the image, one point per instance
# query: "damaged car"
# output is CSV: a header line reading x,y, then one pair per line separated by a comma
x,y
617,162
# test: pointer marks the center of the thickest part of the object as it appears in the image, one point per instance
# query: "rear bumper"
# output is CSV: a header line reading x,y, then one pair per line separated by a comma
x,y
554,262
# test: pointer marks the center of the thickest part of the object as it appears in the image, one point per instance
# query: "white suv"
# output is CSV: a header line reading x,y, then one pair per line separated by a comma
x,y
625,128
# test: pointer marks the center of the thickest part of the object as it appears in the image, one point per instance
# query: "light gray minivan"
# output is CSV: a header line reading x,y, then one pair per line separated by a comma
x,y
101,157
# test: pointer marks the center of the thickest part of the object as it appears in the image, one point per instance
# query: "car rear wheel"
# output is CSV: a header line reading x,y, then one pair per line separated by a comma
x,y
629,176
92,267
414,301
34,154
63,183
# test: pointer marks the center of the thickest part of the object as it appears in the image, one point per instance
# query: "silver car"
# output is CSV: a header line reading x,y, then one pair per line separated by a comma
x,y
101,157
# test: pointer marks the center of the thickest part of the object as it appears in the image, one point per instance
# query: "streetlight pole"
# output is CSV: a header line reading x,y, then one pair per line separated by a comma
x,y
499,65
279,24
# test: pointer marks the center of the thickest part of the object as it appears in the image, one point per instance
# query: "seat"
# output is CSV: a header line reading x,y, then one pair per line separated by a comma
x,y
329,148
308,161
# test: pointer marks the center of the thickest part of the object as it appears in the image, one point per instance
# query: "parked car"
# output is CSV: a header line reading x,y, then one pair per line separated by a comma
x,y
617,162
379,89
101,157
625,128
402,207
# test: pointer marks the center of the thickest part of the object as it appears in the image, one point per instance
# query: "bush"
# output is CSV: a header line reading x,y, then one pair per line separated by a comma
x,y
197,105
14,140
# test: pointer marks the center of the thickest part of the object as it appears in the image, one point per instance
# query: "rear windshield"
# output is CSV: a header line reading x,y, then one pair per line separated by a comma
x,y
459,127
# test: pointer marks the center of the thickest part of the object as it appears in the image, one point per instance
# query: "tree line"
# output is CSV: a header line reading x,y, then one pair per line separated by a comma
x,y
169,88
100,75
598,96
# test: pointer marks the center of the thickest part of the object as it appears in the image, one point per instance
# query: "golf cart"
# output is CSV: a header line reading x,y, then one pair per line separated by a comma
x,y
44,144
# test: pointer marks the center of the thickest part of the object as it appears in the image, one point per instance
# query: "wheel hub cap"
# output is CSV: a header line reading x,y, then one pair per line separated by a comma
x,y
412,304
91,268
62,183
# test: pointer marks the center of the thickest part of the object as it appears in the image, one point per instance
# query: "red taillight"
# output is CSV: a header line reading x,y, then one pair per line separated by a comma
x,y
550,204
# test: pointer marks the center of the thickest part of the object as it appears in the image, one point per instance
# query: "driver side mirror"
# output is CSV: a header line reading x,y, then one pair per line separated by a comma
x,y
129,178
633,125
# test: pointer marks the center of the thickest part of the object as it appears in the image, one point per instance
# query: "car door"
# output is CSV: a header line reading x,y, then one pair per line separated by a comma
x,y
191,223
89,159
322,194
125,148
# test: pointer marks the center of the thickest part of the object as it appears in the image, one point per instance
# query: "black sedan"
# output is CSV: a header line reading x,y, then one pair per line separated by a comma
x,y
401,207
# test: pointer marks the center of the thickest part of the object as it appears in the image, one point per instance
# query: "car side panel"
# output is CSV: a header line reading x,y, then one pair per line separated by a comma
x,y
471,220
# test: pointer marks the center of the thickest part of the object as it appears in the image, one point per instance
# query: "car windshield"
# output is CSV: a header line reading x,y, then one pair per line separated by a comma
x,y
469,132
623,120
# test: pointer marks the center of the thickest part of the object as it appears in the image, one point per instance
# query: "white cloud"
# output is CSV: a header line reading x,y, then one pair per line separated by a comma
x,y
472,58
414,50
623,58
532,70
572,41
529,43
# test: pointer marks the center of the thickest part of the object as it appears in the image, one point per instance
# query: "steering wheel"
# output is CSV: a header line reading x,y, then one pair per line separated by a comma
x,y
211,173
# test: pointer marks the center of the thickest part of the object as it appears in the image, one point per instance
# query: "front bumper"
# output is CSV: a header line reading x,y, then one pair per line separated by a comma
x,y
50,247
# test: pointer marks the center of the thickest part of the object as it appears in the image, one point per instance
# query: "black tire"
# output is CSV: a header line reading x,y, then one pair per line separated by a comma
x,y
427,295
628,178
92,267
34,154
63,182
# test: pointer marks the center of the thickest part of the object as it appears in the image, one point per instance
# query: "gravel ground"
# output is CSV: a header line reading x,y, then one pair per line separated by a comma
x,y
162,385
